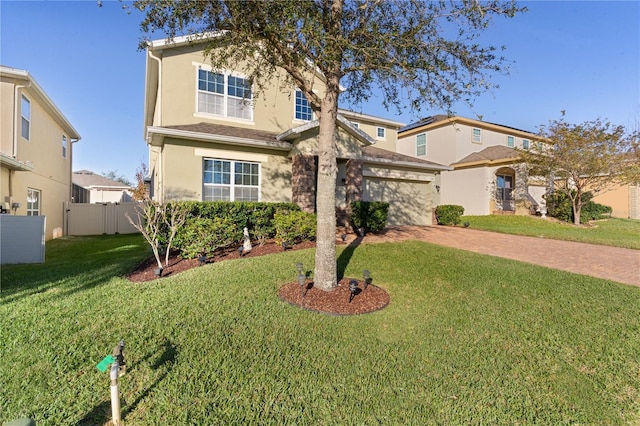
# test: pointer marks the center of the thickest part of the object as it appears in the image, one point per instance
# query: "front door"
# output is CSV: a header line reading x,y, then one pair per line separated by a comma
x,y
505,187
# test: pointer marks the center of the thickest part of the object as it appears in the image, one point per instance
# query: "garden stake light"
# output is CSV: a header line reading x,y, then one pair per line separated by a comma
x,y
367,278
353,288
302,281
202,259
299,267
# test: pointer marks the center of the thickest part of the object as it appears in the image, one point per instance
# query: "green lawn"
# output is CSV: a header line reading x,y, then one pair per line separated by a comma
x,y
466,339
611,232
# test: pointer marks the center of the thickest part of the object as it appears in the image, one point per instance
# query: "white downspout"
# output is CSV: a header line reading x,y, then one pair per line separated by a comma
x,y
157,121
14,154
157,114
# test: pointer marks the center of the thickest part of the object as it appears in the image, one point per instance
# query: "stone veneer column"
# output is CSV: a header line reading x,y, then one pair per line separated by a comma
x,y
353,182
303,181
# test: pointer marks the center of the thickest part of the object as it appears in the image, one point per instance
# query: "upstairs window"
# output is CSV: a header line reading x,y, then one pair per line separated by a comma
x,y
511,141
476,136
224,95
525,143
226,180
356,125
303,109
421,145
25,111
64,146
381,133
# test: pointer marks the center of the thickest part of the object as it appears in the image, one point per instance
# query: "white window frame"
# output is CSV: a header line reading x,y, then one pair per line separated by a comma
x,y
64,146
382,136
33,205
511,141
232,185
476,135
25,122
356,125
525,144
296,95
418,146
224,96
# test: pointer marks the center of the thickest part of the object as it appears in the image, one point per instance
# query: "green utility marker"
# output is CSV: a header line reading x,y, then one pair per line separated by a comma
x,y
105,363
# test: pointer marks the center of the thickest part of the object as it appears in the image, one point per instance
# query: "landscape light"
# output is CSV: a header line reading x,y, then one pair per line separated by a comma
x,y
353,288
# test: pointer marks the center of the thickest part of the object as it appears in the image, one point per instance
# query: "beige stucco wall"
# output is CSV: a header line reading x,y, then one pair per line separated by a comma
x,y
6,115
451,143
621,200
51,173
469,188
182,169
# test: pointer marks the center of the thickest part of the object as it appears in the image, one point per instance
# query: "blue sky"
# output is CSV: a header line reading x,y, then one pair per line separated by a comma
x,y
579,56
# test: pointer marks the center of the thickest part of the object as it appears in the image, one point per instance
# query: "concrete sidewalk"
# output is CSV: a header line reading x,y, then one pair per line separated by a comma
x,y
612,263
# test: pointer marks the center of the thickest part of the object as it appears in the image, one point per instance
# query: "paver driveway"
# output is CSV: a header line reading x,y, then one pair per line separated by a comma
x,y
612,263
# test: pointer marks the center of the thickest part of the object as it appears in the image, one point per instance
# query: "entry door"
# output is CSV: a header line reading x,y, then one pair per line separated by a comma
x,y
505,187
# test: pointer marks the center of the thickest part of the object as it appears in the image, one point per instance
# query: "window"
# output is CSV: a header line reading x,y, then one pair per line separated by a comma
x,y
421,144
64,146
235,101
25,111
381,133
226,180
303,109
511,141
356,125
33,202
525,143
477,136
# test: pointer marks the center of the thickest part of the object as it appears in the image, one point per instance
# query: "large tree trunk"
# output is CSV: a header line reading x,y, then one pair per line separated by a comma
x,y
326,272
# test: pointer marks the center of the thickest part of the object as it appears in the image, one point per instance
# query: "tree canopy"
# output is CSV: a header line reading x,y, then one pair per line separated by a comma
x,y
419,54
589,156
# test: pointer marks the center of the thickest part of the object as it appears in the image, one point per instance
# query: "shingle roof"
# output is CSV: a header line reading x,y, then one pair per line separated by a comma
x,y
87,178
383,154
217,129
492,153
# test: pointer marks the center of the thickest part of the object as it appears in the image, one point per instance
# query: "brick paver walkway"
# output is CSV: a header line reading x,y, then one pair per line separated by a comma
x,y
612,263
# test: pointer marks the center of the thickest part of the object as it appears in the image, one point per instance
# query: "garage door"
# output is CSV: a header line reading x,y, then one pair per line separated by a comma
x,y
409,202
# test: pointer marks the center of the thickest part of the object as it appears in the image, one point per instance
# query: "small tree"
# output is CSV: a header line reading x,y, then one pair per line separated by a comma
x,y
580,157
140,192
174,216
149,221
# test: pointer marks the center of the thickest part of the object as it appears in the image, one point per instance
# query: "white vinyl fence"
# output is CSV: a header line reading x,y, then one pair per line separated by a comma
x,y
99,219
21,239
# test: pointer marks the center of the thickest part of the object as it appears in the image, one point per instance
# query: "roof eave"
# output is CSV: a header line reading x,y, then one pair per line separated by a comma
x,y
163,132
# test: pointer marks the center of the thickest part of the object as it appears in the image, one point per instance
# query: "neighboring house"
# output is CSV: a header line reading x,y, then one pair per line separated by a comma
x,y
211,138
624,200
36,150
487,176
89,187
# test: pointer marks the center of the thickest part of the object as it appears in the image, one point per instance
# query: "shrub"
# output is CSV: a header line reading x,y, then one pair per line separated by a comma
x,y
449,214
559,206
204,235
294,226
369,215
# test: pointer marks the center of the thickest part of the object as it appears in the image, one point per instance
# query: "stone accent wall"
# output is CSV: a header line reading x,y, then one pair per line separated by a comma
x,y
353,189
303,182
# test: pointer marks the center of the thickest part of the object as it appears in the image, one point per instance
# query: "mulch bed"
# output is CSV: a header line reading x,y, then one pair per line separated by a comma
x,y
334,302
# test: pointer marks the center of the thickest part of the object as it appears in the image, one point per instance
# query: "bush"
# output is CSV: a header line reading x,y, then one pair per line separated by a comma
x,y
449,214
369,215
559,206
294,226
205,235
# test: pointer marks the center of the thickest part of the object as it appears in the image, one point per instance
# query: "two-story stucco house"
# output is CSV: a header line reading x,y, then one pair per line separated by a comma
x,y
36,146
211,137
487,176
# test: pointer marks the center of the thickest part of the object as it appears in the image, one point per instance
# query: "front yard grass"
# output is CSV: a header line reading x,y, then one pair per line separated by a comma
x,y
611,232
467,339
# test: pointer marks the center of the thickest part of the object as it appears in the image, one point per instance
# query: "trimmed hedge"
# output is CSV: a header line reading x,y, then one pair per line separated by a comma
x,y
369,215
449,214
212,216
294,226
